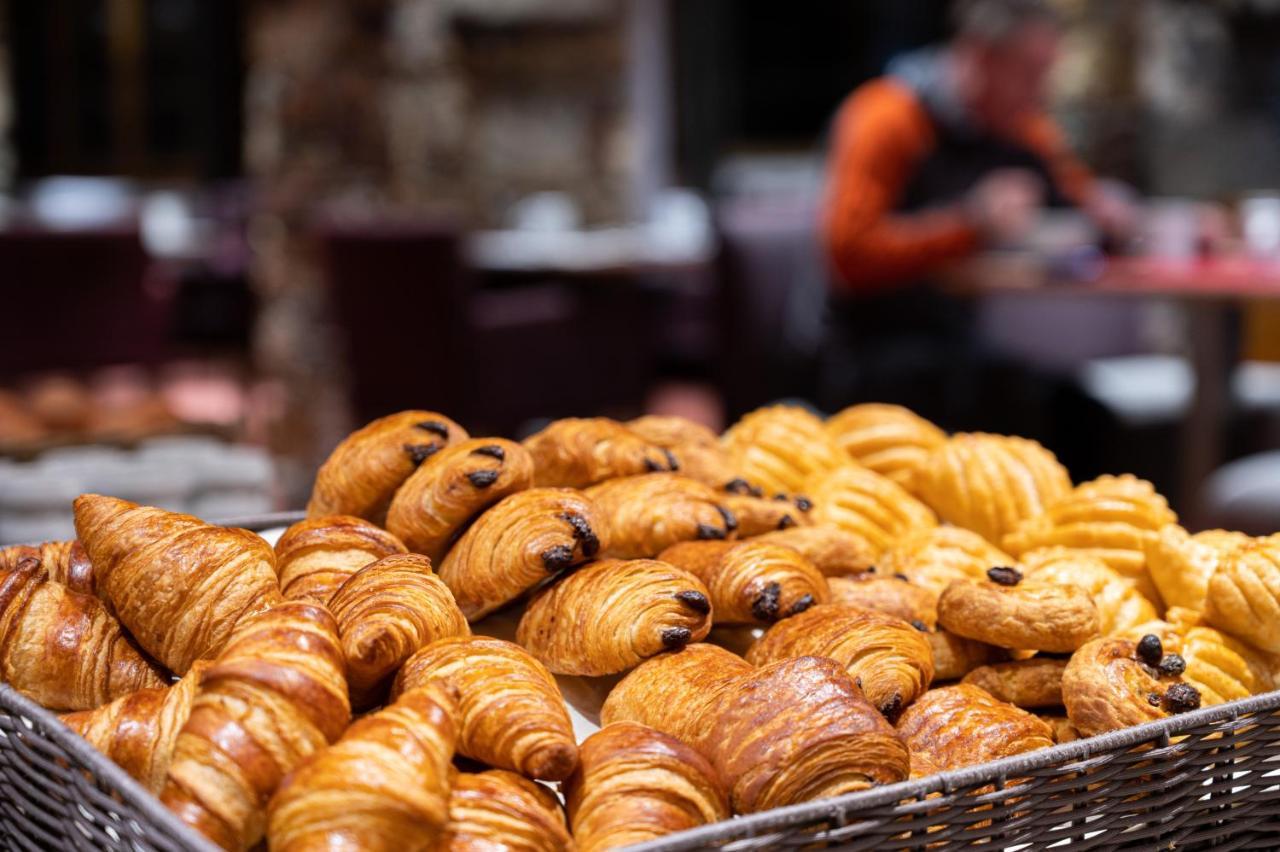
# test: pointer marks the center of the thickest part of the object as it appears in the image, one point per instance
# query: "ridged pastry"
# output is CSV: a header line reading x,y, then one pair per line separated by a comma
x,y
316,555
1223,668
1029,615
578,452
751,582
833,551
781,446
66,562
757,515
888,658
636,784
1030,684
955,656
511,711
523,541
889,439
179,585
1120,605
500,811
274,697
694,445
894,596
452,487
866,503
1181,564
962,725
990,483
363,472
613,614
383,787
1108,686
1244,594
646,514
385,612
935,558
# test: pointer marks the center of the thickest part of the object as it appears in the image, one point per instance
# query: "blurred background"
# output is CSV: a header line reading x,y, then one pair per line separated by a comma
x,y
232,231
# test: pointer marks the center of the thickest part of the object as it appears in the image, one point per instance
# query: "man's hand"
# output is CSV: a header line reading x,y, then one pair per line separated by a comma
x,y
1004,204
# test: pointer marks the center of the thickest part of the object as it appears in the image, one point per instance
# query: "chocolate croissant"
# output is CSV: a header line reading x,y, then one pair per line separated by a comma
x,y
1012,614
751,582
781,446
894,596
64,561
963,725
317,555
1120,605
179,585
363,472
63,649
1117,683
523,541
383,786
888,439
756,515
867,504
612,615
500,810
577,452
886,656
646,514
1181,564
833,551
636,784
1244,594
453,487
511,712
385,612
935,558
696,447
1030,684
274,697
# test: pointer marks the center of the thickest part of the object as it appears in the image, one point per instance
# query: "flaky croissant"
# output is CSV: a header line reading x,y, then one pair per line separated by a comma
x,y
646,514
383,786
63,649
889,439
65,562
696,447
453,486
1181,564
1223,668
751,582
274,697
935,558
1024,615
833,551
962,725
1244,594
894,596
363,472
500,810
315,556
1117,683
990,483
868,504
511,712
890,660
526,539
1029,684
635,784
577,452
1120,605
179,585
779,447
385,612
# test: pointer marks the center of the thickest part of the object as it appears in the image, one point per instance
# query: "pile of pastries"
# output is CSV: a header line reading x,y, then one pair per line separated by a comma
x,y
793,610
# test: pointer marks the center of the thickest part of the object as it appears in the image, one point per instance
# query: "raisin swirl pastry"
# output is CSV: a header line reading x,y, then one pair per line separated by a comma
x,y
694,445
611,615
646,514
578,452
65,561
1181,564
453,486
935,558
1120,605
500,810
886,656
868,504
316,555
779,447
751,582
1030,684
521,542
833,551
1117,683
889,439
364,471
1244,594
1011,614
962,725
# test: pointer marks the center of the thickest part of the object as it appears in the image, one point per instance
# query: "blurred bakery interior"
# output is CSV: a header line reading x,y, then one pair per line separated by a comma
x,y
233,230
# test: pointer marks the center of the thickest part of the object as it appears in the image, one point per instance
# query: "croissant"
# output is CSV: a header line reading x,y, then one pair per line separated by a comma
x,y
894,596
385,612
499,810
1181,564
751,582
935,558
1244,594
646,514
511,712
1120,605
65,561
524,540
833,551
577,452
454,486
1012,614
955,656
756,515
383,786
363,472
697,447
889,439
1117,683
781,446
63,649
990,483
866,503
635,784
137,731
1032,683
962,725
274,696
317,555
179,585
1223,668
888,658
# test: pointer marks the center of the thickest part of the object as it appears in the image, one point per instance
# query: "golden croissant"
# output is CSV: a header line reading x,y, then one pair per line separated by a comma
x,y
65,562
636,784
889,439
315,556
63,649
1120,605
364,471
500,810
696,447
963,725
868,504
935,558
1181,564
611,615
454,486
523,541
179,585
833,551
894,596
646,514
385,612
273,697
781,446
1012,614
577,452
511,713
751,582
1116,683
1030,684
1244,594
